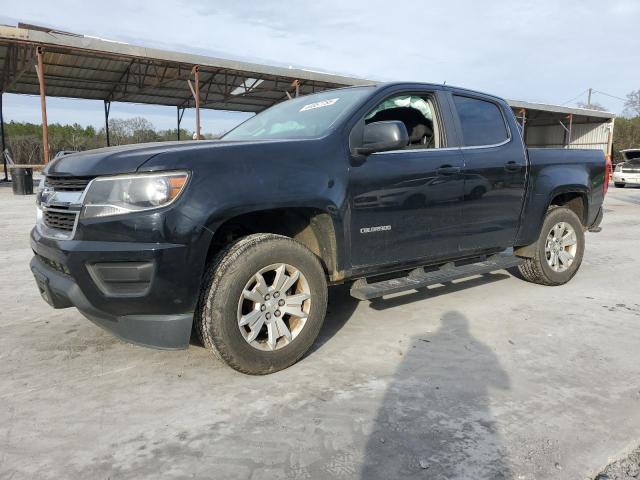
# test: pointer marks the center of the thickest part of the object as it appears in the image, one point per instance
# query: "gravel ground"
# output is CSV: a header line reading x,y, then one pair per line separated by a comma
x,y
485,378
627,468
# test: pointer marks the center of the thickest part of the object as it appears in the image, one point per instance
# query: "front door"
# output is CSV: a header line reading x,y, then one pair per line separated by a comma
x,y
407,204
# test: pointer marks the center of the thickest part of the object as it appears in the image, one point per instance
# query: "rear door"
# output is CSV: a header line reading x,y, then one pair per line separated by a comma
x,y
494,172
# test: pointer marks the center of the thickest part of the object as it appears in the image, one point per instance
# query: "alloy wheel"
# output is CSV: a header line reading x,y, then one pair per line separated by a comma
x,y
274,306
561,246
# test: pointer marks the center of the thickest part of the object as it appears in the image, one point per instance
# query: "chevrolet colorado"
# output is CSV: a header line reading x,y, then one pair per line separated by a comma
x,y
388,187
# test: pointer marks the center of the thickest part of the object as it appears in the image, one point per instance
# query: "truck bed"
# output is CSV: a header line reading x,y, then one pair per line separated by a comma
x,y
553,171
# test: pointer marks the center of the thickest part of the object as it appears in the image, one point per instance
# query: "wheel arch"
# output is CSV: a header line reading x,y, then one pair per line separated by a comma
x,y
574,197
313,227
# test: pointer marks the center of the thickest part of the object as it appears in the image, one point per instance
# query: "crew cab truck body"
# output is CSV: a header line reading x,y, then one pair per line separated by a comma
x,y
388,187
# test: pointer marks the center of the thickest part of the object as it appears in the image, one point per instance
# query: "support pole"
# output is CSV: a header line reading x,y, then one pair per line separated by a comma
x,y
523,120
180,114
43,105
196,94
107,109
4,159
589,98
570,129
610,139
197,80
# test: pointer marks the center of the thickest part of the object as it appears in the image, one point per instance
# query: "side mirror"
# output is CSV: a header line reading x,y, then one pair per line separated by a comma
x,y
383,136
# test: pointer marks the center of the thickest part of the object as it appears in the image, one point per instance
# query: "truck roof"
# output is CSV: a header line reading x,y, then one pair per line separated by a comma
x,y
542,107
425,85
438,85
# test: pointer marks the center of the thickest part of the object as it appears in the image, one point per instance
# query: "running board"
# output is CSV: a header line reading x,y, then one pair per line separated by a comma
x,y
418,278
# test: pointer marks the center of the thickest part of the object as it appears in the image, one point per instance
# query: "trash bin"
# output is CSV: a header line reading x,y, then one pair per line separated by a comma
x,y
22,180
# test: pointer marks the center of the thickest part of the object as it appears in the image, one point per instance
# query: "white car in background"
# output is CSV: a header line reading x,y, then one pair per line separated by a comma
x,y
628,171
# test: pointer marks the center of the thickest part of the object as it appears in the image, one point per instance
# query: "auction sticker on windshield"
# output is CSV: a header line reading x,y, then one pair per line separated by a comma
x,y
323,103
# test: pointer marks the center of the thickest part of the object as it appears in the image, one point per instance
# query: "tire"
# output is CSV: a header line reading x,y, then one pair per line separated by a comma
x,y
538,269
619,185
223,301
477,193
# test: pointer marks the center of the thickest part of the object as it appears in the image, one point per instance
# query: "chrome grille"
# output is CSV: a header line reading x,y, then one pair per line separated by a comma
x,y
59,220
67,184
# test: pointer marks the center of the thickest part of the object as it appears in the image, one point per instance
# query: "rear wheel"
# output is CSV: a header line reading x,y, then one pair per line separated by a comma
x,y
477,193
559,249
262,303
619,185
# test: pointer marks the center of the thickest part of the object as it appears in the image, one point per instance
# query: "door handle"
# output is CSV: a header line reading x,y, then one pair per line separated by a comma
x,y
447,170
512,166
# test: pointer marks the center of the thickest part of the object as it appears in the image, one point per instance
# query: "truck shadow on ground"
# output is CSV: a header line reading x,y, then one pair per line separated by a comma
x,y
342,305
340,308
435,420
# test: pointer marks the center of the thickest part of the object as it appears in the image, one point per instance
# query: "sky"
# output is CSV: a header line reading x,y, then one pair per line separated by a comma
x,y
546,51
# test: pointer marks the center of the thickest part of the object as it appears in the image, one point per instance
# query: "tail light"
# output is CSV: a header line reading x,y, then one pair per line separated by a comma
x,y
607,174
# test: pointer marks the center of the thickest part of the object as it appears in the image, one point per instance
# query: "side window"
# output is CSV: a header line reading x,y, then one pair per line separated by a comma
x,y
417,112
481,121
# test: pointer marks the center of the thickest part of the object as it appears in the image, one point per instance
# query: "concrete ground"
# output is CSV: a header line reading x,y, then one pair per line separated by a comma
x,y
490,377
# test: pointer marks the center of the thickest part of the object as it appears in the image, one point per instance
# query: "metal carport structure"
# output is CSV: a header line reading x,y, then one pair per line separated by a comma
x,y
555,126
46,62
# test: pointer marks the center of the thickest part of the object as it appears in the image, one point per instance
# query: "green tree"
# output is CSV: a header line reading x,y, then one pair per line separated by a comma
x,y
626,134
632,105
24,140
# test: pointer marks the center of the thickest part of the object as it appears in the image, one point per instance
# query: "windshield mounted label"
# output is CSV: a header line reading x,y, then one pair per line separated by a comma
x,y
323,103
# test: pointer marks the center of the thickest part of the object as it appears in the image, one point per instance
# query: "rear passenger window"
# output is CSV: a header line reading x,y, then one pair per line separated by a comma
x,y
482,122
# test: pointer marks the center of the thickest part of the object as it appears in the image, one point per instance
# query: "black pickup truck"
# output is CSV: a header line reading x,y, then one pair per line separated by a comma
x,y
388,187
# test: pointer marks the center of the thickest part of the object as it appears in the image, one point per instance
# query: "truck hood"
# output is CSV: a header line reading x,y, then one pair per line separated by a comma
x,y
109,160
132,158
166,155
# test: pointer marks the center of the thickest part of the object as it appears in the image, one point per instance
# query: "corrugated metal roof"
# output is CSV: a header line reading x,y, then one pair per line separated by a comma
x,y
90,68
543,107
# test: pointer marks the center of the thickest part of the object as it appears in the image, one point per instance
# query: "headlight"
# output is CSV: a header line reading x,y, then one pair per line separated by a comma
x,y
618,167
39,190
120,194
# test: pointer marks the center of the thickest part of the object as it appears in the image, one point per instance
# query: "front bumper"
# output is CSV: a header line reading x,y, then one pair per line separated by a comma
x,y
159,315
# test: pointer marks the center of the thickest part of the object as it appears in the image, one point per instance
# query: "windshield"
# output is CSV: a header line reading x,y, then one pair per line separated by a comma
x,y
311,116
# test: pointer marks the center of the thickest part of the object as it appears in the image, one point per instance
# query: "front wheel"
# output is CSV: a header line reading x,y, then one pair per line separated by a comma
x,y
559,249
262,303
